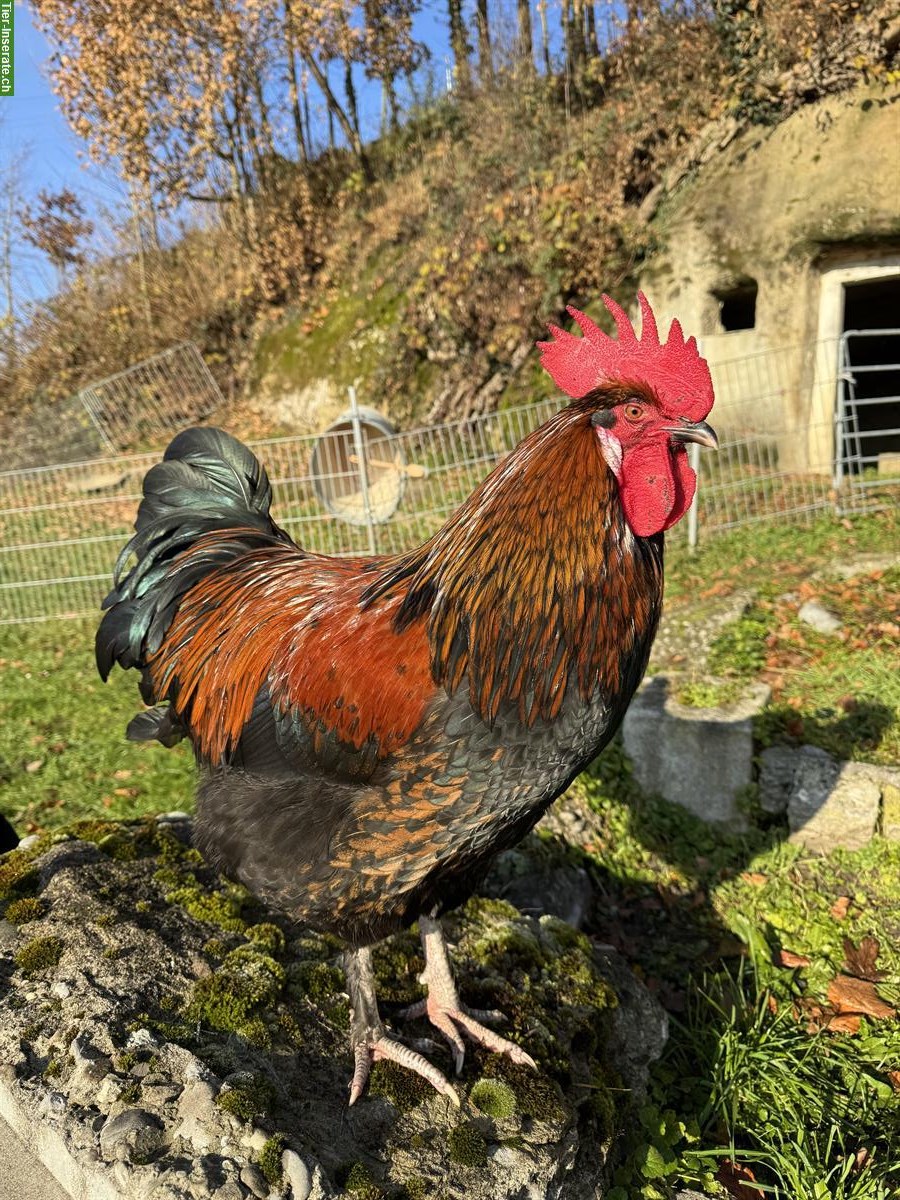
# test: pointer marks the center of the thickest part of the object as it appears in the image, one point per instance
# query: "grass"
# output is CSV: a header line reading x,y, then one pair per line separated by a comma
x,y
750,1076
63,754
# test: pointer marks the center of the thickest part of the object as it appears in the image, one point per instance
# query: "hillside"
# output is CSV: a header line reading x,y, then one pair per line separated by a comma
x,y
485,212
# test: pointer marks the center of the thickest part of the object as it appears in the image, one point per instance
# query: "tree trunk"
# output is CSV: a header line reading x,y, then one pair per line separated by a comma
x,y
485,59
307,124
525,47
459,45
545,37
593,46
334,108
350,92
294,89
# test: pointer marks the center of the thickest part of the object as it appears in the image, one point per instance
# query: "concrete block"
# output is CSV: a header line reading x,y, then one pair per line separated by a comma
x,y
832,804
890,812
700,758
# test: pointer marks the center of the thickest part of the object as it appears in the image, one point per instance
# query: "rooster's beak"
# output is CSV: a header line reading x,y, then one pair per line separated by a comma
x,y
695,431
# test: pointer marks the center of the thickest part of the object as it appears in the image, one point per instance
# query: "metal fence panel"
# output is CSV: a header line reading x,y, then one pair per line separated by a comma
x,y
142,405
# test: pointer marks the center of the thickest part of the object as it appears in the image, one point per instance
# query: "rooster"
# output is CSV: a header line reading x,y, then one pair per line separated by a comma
x,y
372,732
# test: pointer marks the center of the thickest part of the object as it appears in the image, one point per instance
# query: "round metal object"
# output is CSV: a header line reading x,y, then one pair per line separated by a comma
x,y
347,487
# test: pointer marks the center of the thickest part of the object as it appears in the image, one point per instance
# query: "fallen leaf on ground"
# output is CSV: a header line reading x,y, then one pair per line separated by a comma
x,y
754,877
787,958
850,995
894,1079
842,1023
840,907
738,1181
860,960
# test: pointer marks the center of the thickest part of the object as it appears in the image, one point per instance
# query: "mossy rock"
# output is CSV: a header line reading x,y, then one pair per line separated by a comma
x,y
169,952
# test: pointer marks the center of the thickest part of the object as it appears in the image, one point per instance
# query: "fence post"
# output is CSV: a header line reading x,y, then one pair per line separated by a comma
x,y
360,451
694,460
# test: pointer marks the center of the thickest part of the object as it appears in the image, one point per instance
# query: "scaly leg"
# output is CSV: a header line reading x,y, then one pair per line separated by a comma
x,y
443,1009
368,1036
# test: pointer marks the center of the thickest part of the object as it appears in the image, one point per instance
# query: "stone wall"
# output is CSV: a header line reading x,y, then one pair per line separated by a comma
x,y
799,208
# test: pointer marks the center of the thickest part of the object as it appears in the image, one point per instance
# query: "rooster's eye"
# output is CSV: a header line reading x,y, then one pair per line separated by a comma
x,y
634,412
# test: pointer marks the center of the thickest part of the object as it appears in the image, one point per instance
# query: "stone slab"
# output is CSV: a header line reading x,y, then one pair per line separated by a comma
x,y
700,758
833,804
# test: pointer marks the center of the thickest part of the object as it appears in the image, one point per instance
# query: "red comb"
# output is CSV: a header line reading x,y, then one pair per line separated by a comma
x,y
674,369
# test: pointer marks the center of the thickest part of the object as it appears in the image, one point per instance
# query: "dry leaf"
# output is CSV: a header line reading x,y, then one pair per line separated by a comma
x,y
787,958
34,766
754,877
860,960
894,1080
771,1004
840,907
844,1023
850,995
738,1181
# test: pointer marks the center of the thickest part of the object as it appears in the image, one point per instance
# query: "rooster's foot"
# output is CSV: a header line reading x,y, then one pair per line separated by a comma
x,y
444,1011
369,1038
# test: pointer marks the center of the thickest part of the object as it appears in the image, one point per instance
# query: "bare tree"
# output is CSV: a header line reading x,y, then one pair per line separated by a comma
x,y
459,44
525,46
485,58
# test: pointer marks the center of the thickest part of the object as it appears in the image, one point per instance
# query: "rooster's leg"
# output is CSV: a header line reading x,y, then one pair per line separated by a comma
x,y
368,1036
443,1009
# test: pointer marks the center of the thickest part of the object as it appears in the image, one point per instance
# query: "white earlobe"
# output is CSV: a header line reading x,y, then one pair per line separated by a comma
x,y
612,450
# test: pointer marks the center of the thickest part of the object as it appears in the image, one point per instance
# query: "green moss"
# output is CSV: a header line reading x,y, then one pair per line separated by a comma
x,y
20,912
216,947
222,907
270,1158
142,906
268,936
39,955
130,1093
124,1062
414,1188
536,1095
404,1089
53,1069
320,983
705,693
361,1184
467,1146
233,998
247,1098
494,1098
17,876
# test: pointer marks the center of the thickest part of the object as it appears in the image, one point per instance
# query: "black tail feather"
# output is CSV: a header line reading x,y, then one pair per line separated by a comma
x,y
207,481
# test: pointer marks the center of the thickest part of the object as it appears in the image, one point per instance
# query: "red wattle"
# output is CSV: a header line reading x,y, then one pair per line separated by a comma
x,y
656,486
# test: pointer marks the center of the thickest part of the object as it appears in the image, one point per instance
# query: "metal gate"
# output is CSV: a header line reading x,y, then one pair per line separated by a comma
x,y
862,468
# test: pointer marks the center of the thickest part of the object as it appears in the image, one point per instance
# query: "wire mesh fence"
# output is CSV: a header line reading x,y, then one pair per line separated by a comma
x,y
141,405
61,527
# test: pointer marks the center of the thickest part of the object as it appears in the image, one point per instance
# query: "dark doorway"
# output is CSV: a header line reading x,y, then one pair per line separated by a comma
x,y
874,361
737,305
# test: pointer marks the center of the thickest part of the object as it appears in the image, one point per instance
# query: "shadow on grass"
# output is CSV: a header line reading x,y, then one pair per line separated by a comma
x,y
856,732
745,1075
